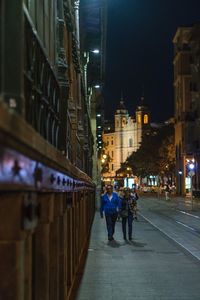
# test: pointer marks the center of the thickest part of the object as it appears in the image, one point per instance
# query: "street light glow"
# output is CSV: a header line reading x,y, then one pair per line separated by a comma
x,y
97,86
96,51
191,166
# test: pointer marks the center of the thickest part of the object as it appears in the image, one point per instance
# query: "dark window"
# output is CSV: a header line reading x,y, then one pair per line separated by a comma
x,y
130,142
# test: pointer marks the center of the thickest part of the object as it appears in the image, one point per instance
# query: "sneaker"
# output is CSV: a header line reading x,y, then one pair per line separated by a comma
x,y
130,238
110,238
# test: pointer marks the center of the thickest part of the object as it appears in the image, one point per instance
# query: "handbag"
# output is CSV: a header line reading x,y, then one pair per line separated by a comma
x,y
124,213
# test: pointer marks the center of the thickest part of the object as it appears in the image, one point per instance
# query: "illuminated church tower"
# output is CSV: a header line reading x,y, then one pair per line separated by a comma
x,y
142,119
121,121
126,137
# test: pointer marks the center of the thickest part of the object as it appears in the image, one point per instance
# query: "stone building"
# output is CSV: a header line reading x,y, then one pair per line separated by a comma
x,y
47,195
187,107
125,138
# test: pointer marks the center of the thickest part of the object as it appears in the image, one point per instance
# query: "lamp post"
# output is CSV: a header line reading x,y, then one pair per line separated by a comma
x,y
191,174
180,182
128,173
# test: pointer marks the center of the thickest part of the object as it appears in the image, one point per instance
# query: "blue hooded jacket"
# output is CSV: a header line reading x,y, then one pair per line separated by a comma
x,y
110,206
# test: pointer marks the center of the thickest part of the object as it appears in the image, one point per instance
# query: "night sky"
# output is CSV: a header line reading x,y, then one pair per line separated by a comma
x,y
140,52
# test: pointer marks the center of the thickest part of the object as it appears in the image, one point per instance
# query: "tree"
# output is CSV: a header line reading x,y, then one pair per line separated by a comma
x,y
156,156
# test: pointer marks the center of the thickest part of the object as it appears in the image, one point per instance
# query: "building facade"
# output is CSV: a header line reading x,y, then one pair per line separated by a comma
x,y
187,108
47,195
125,138
93,21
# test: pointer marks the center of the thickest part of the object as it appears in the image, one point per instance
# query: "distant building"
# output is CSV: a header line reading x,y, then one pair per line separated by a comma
x,y
124,137
187,107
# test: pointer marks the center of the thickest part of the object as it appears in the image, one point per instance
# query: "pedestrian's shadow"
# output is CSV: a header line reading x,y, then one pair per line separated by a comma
x,y
113,244
136,244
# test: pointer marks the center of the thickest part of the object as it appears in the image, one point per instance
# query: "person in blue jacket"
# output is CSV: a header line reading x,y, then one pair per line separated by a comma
x,y
110,205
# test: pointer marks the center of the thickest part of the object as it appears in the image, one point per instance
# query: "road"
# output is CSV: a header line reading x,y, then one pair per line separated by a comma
x,y
179,219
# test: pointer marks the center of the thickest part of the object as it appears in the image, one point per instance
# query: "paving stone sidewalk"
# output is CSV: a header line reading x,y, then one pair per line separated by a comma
x,y
151,267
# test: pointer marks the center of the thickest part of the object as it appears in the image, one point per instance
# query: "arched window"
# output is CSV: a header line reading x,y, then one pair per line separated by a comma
x,y
146,119
123,122
139,119
130,142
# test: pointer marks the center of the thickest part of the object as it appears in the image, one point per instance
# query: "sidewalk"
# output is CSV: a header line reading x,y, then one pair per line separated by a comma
x,y
151,267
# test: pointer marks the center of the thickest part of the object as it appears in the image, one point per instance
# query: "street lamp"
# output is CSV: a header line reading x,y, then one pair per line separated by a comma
x,y
95,51
191,166
180,182
191,173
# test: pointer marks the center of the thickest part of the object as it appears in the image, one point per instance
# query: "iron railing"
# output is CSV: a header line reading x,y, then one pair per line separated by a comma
x,y
41,89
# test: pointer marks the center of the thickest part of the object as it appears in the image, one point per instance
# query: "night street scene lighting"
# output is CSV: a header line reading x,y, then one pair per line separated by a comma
x,y
95,51
99,150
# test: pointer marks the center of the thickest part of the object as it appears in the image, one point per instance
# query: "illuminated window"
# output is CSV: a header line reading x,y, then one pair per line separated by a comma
x,y
146,119
139,119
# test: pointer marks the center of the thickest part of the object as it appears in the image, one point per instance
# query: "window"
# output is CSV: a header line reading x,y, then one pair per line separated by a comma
x,y
112,142
112,153
139,119
112,167
130,142
146,119
123,122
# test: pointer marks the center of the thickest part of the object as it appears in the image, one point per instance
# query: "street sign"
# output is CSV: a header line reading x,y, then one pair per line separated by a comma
x,y
191,173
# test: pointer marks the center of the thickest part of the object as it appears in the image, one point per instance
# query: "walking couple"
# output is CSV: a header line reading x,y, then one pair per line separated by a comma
x,y
112,205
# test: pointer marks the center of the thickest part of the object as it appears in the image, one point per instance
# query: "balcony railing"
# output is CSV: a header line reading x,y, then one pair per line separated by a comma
x,y
41,89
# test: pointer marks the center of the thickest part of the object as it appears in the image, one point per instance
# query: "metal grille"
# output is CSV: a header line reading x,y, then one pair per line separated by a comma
x,y
41,89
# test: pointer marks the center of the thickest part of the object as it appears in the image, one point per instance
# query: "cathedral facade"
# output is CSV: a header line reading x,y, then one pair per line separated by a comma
x,y
124,138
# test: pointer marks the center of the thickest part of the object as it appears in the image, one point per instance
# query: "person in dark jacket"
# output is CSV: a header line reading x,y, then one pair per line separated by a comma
x,y
135,197
127,212
110,205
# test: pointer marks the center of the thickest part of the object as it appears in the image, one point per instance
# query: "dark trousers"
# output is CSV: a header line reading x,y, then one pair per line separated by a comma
x,y
130,225
110,223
